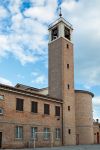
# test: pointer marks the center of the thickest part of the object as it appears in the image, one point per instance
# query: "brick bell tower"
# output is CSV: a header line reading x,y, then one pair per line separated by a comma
x,y
61,74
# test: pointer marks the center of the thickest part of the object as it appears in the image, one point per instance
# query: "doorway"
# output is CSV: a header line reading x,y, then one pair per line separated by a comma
x,y
0,139
97,137
77,139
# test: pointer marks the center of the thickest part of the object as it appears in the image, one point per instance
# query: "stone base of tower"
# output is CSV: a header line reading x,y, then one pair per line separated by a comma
x,y
69,139
84,135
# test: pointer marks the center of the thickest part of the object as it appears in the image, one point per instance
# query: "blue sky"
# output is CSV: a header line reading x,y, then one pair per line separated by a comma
x,y
24,42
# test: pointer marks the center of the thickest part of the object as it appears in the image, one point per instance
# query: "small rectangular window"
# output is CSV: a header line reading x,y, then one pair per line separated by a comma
x,y
46,109
1,111
19,104
1,97
33,133
68,86
69,131
67,33
46,133
68,108
67,46
19,132
57,111
54,33
58,133
34,107
67,66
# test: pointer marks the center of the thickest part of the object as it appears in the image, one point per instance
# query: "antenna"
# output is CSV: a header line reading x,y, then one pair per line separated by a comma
x,y
60,14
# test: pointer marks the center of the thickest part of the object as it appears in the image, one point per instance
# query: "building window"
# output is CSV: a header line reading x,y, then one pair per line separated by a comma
x,y
68,108
46,109
67,66
69,131
67,33
67,46
57,111
1,111
68,86
33,132
34,107
19,132
54,33
1,97
19,104
46,133
58,133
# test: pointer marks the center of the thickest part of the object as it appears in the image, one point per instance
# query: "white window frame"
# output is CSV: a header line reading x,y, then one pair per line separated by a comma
x,y
58,133
1,97
33,132
1,111
18,134
46,133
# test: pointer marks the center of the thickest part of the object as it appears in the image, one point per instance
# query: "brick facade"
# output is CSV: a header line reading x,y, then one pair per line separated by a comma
x,y
12,118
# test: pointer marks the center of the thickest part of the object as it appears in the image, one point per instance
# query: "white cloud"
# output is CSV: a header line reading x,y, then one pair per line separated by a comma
x,y
4,46
90,77
5,81
34,74
14,6
38,3
3,13
40,79
96,100
43,13
27,39
96,107
69,5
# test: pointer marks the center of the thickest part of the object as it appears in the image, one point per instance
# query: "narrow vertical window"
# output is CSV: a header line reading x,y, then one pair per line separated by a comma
x,y
34,107
46,109
58,133
33,133
19,132
68,86
46,133
54,33
67,46
67,66
67,33
19,104
57,111
68,108
69,131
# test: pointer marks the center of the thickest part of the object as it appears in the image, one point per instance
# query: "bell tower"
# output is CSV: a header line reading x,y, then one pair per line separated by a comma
x,y
61,74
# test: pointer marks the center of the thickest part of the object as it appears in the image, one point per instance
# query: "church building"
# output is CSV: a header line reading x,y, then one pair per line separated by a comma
x,y
54,116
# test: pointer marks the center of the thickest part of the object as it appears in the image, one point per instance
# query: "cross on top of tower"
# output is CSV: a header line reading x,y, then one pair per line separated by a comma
x,y
60,13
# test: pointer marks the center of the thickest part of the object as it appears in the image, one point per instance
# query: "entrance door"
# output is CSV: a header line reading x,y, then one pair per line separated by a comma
x,y
97,137
77,139
0,139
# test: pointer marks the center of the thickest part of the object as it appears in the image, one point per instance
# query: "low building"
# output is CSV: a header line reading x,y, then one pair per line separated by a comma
x,y
96,129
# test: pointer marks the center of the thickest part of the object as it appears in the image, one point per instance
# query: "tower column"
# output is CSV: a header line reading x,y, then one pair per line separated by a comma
x,y
61,75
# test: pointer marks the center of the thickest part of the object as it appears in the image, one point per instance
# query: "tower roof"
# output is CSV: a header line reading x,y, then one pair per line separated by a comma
x,y
61,19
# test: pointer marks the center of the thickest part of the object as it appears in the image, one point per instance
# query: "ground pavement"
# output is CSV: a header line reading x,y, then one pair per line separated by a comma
x,y
79,147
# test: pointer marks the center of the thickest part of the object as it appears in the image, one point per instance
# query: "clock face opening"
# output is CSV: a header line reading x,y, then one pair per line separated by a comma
x,y
54,33
67,33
